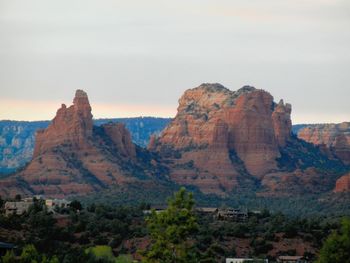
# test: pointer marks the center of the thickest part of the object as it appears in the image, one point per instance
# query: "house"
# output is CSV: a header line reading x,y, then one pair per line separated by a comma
x,y
4,247
207,210
17,207
232,214
291,259
52,203
243,260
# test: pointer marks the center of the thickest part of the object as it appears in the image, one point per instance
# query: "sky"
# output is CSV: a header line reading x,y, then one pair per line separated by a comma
x,y
136,58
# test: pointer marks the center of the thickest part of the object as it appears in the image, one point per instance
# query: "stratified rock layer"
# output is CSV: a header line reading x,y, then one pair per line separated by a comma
x,y
218,129
334,139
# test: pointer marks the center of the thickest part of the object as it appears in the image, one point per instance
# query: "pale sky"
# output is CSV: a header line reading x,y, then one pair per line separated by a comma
x,y
136,58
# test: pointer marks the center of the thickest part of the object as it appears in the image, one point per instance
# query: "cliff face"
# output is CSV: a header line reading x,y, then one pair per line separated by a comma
x,y
219,129
282,123
71,156
334,139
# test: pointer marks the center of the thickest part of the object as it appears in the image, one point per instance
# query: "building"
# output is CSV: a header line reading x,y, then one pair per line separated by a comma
x,y
52,203
243,260
291,259
4,247
207,210
232,214
17,207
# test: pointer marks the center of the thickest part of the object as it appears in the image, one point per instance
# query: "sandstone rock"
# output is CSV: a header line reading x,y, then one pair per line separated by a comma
x,y
282,123
121,137
343,184
17,138
73,157
213,124
252,133
71,125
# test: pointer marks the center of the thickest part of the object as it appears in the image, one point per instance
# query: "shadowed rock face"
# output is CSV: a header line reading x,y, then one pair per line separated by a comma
x,y
334,139
212,123
72,156
121,137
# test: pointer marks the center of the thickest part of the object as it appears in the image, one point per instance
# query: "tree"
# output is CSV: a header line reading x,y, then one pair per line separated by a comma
x,y
336,248
101,254
29,254
171,231
76,205
9,257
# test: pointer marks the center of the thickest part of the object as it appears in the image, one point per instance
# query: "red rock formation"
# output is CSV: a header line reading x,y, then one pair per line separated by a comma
x,y
332,138
252,135
282,123
212,123
208,167
72,157
71,125
121,138
343,184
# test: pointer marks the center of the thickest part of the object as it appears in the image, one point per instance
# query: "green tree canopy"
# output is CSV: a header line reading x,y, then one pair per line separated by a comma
x,y
336,248
171,231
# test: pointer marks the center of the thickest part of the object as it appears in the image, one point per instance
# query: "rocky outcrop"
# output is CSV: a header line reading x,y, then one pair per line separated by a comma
x,y
121,138
343,184
208,166
282,123
220,141
71,125
17,138
333,139
71,156
218,129
252,134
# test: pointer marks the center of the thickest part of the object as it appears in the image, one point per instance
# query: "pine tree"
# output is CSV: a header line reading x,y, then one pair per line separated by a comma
x,y
171,231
